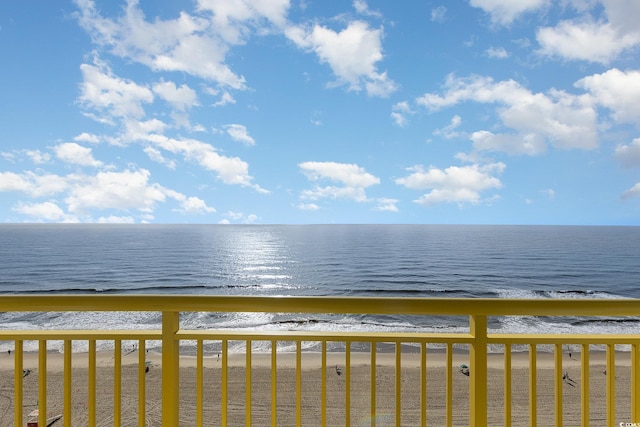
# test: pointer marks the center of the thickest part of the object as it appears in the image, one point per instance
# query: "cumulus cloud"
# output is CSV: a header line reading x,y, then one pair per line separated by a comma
x,y
351,53
616,90
195,205
45,211
114,190
558,118
239,133
196,45
180,98
632,192
362,8
497,53
101,90
230,170
399,113
76,154
37,156
628,155
386,205
504,12
462,185
592,40
352,180
449,131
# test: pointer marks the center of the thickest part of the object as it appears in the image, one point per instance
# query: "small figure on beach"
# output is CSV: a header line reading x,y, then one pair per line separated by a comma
x,y
338,370
25,372
464,369
565,378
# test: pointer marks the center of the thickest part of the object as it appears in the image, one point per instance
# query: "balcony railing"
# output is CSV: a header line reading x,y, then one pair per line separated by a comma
x,y
402,388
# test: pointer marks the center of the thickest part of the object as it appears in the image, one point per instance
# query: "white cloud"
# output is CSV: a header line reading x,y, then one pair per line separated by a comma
x,y
180,98
628,155
351,53
76,154
449,131
594,40
87,137
353,179
399,113
111,95
239,133
619,91
190,44
386,205
195,205
585,41
497,52
156,156
231,170
632,192
37,156
438,14
114,190
32,184
47,211
454,184
529,144
112,219
362,8
308,207
504,12
563,120
233,19
225,98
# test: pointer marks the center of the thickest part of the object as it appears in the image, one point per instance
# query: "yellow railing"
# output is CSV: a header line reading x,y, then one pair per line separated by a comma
x,y
289,401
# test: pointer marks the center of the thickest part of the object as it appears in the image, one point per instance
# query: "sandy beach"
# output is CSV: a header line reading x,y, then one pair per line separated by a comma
x,y
359,382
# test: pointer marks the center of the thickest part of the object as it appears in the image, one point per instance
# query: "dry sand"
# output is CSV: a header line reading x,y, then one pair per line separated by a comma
x,y
359,381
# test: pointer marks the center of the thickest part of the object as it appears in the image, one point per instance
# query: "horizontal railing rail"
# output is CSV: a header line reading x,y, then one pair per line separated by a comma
x,y
476,341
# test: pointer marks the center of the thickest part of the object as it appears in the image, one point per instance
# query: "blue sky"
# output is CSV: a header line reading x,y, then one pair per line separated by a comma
x,y
287,111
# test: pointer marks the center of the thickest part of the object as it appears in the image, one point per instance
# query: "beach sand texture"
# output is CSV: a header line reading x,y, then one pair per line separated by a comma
x,y
359,383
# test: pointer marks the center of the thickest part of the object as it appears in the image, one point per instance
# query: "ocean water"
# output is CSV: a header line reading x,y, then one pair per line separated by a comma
x,y
330,260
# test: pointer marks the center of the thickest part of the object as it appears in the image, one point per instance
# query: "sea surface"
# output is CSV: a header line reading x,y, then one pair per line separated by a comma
x,y
444,261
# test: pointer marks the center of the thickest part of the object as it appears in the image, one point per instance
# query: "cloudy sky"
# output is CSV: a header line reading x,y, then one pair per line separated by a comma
x,y
310,111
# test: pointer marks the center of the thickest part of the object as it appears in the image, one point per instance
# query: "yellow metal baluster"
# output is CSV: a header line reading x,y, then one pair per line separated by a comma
x,y
423,384
199,382
558,374
170,369
298,383
274,383
478,370
42,382
533,390
449,388
247,390
398,383
323,391
117,383
92,383
225,391
67,383
584,380
373,347
17,383
635,383
611,384
142,382
347,379
507,385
